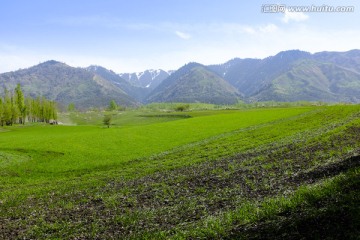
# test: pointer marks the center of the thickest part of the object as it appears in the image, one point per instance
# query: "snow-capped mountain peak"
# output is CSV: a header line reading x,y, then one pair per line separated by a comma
x,y
148,79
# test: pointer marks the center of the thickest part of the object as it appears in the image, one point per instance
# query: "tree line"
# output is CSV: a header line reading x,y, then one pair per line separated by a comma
x,y
15,108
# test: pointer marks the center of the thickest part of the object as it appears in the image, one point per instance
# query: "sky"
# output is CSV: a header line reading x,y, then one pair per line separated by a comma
x,y
135,35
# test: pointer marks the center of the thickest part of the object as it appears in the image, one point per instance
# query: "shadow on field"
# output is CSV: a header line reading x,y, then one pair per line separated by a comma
x,y
336,216
328,170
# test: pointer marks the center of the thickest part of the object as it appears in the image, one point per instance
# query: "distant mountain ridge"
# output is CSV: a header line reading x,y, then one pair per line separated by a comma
x,y
296,75
137,92
146,79
64,84
292,75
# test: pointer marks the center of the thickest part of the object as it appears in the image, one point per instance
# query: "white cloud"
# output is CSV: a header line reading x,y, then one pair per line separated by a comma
x,y
253,30
183,35
249,29
89,21
235,29
294,16
268,28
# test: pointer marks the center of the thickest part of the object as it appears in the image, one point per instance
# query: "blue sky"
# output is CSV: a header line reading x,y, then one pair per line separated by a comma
x,y
129,36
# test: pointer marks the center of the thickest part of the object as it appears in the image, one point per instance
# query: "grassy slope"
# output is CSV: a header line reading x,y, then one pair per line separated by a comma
x,y
86,147
185,178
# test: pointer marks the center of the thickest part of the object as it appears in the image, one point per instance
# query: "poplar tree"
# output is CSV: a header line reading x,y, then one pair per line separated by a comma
x,y
7,113
1,112
20,100
113,106
14,108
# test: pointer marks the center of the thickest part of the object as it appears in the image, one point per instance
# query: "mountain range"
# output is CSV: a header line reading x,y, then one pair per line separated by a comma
x,y
195,83
64,84
292,75
296,75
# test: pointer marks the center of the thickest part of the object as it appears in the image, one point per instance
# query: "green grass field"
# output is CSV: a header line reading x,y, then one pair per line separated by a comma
x,y
199,174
